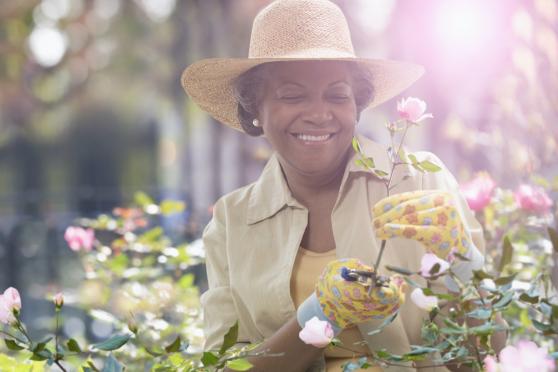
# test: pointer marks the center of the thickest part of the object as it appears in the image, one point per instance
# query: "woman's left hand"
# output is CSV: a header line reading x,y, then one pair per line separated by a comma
x,y
427,216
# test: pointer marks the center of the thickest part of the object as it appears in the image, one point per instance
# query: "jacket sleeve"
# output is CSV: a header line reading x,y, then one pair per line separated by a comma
x,y
219,311
444,180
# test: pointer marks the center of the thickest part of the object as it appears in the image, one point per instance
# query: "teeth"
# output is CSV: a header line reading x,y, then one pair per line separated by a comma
x,y
306,137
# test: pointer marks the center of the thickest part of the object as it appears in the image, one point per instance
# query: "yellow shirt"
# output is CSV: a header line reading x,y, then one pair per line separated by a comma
x,y
253,239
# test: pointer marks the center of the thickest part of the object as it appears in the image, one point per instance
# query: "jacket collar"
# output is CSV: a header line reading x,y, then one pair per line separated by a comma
x,y
271,193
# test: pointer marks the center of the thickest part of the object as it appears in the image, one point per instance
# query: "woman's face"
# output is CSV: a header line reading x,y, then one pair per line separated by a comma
x,y
308,114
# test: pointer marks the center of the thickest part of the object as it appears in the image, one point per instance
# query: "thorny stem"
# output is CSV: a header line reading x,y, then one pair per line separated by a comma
x,y
394,164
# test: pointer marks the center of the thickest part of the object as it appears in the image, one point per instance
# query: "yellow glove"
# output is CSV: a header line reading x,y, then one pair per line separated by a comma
x,y
427,216
346,302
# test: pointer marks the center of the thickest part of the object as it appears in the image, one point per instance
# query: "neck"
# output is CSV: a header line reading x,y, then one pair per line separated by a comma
x,y
306,188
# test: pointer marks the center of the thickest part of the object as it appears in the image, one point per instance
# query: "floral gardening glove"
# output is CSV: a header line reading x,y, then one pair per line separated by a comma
x,y
347,302
343,303
427,216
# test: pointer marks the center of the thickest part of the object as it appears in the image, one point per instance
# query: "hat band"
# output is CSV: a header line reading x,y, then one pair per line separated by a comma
x,y
310,53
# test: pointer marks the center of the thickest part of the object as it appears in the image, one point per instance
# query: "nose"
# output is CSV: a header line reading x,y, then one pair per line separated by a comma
x,y
318,112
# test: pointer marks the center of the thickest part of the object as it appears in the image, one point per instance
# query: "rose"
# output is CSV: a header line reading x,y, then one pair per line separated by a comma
x,y
412,109
427,263
478,191
526,356
58,300
12,299
10,303
79,238
533,199
318,333
423,301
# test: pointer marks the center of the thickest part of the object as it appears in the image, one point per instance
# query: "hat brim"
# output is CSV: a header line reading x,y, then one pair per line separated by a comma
x,y
209,82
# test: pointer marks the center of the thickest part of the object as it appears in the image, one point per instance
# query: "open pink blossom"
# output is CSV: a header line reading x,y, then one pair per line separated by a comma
x,y
79,238
478,191
533,199
318,333
427,263
423,301
12,299
6,314
412,109
525,356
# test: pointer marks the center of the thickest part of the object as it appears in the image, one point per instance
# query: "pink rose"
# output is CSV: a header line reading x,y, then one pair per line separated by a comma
x,y
526,356
318,333
427,263
478,191
533,199
6,316
12,300
58,299
412,109
79,238
423,301
490,364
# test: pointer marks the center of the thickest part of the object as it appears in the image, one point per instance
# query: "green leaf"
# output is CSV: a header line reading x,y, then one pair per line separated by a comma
x,y
73,346
399,270
113,343
112,365
402,155
480,275
507,254
152,235
540,326
41,355
41,345
480,314
380,173
429,332
209,359
240,364
505,279
429,166
174,346
504,301
169,207
553,235
229,339
142,199
12,345
384,324
486,329
413,159
369,162
356,146
529,299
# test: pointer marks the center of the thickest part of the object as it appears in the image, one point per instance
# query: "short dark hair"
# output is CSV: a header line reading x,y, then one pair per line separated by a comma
x,y
248,89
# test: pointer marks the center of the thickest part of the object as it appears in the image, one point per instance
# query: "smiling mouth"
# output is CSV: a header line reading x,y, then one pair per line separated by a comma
x,y
312,138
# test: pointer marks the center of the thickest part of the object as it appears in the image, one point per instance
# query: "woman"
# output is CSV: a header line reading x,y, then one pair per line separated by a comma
x,y
303,88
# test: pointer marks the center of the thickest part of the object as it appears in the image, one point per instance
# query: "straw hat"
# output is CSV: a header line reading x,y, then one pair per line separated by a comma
x,y
288,30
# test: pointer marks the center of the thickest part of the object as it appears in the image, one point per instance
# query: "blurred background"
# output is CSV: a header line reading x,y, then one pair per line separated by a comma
x,y
91,107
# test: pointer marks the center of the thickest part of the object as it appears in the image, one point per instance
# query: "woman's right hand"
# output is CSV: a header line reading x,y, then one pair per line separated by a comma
x,y
343,302
347,302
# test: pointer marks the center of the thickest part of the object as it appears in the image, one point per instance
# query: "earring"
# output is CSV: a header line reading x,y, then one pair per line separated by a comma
x,y
256,123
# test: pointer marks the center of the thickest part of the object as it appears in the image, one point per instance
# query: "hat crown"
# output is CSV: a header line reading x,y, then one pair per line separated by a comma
x,y
295,28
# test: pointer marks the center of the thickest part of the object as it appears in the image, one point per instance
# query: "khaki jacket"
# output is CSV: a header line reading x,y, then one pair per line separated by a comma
x,y
252,241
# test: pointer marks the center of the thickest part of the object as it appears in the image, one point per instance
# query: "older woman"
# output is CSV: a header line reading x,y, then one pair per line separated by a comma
x,y
303,88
